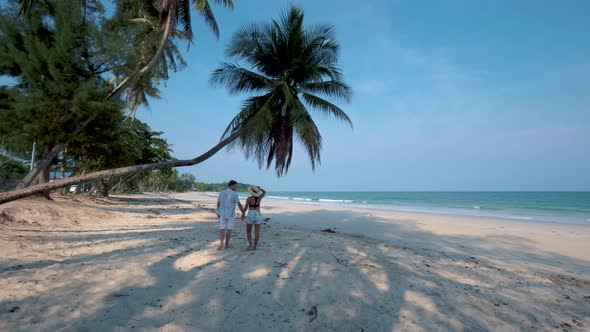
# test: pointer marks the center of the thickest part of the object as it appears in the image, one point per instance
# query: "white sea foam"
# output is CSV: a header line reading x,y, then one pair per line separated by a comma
x,y
301,199
278,197
516,217
327,200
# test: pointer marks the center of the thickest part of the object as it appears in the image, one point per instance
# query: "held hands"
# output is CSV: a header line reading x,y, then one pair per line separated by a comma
x,y
243,216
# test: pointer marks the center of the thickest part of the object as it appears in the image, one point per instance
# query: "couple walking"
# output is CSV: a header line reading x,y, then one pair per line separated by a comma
x,y
226,211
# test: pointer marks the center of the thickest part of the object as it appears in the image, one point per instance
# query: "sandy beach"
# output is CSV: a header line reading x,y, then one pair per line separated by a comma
x,y
148,263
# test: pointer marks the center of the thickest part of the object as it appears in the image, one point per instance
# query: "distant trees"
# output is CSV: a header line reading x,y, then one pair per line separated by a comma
x,y
202,186
166,180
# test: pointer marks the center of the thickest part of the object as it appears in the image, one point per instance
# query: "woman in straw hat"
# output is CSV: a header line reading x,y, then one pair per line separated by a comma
x,y
254,217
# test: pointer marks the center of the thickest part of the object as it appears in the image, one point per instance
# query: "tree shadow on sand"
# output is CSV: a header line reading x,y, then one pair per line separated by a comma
x,y
412,280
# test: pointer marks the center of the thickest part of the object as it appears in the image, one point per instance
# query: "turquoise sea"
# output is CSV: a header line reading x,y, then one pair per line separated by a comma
x,y
561,207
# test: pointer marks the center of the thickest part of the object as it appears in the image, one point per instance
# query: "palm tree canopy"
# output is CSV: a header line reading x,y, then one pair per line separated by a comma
x,y
180,12
155,26
292,68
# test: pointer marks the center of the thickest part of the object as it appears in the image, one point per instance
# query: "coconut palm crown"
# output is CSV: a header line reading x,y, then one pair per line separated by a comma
x,y
291,69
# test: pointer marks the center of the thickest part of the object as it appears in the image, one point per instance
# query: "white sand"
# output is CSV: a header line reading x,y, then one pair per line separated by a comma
x,y
149,263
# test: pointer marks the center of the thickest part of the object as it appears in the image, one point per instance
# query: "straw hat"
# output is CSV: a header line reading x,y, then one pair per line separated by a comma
x,y
255,191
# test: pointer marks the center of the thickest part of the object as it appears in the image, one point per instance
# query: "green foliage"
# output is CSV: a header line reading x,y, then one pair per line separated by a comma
x,y
290,66
54,55
137,23
10,169
59,57
167,180
202,186
114,142
66,57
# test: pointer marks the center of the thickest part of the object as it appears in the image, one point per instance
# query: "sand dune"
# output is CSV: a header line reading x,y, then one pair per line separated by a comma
x,y
149,263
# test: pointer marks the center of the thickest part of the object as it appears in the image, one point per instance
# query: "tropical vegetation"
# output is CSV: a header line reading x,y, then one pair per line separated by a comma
x,y
81,75
202,186
290,68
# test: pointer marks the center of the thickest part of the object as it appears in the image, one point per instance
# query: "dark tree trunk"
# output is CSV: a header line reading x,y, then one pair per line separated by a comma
x,y
44,174
104,186
64,158
44,177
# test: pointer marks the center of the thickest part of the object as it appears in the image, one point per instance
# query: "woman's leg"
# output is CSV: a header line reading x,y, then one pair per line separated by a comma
x,y
249,235
256,235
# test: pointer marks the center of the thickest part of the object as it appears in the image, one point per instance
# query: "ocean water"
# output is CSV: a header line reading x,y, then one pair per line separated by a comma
x,y
560,207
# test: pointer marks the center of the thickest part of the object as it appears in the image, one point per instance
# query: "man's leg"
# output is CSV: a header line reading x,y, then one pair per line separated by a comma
x,y
222,228
229,227
221,238
249,235
227,237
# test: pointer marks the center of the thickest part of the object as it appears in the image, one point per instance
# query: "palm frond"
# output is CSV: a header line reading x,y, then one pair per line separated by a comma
x,y
244,42
184,19
145,21
238,79
259,107
308,134
207,13
329,88
26,6
326,106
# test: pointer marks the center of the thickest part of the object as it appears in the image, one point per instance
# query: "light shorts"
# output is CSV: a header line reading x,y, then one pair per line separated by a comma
x,y
254,217
227,223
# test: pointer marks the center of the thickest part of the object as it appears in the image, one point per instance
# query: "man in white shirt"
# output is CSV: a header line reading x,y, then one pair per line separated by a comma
x,y
226,211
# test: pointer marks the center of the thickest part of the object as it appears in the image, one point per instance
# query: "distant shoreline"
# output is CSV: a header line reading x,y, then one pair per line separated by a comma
x,y
529,207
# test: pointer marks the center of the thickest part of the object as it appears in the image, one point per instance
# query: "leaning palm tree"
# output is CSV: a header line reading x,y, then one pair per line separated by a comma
x,y
291,68
291,65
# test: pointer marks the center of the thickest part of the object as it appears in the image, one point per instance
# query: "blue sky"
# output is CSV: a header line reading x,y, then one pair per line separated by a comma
x,y
449,95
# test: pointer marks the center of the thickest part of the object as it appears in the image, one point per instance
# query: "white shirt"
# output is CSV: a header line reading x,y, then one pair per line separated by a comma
x,y
227,203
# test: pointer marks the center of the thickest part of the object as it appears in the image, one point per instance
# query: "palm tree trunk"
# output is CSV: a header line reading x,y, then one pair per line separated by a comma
x,y
43,164
131,79
44,174
63,163
32,190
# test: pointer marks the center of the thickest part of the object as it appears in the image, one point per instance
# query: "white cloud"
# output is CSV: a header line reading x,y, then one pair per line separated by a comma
x,y
372,87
